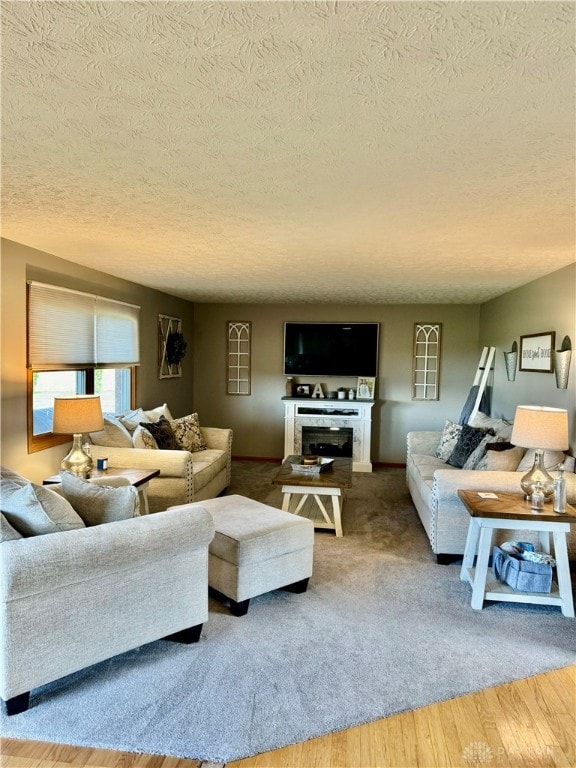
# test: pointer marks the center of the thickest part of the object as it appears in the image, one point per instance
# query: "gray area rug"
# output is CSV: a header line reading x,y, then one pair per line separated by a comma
x,y
382,629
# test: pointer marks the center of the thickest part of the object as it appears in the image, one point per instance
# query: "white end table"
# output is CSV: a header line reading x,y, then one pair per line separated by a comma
x,y
510,511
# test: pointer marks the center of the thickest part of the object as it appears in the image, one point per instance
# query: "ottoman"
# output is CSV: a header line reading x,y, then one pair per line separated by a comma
x,y
256,548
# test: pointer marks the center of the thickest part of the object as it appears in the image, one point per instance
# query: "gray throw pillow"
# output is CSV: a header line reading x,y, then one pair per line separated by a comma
x,y
98,504
7,532
34,510
114,434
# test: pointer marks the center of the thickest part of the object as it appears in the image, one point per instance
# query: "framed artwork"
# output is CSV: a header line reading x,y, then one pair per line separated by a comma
x,y
239,357
303,390
365,388
171,347
426,361
536,352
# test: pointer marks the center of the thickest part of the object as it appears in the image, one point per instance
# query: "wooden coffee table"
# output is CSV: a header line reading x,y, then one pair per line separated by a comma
x,y
311,487
510,511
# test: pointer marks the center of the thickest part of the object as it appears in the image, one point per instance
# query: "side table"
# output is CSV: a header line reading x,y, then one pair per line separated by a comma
x,y
510,511
139,478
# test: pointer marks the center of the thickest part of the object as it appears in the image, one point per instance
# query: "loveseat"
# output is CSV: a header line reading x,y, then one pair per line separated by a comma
x,y
185,475
72,595
434,485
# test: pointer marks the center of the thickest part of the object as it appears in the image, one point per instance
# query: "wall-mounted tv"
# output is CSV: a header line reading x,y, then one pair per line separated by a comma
x,y
330,349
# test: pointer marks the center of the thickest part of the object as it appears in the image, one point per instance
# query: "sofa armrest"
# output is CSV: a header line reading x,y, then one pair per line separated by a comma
x,y
449,481
41,564
217,438
423,442
170,463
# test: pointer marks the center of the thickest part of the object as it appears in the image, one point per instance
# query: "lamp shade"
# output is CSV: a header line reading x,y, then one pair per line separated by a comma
x,y
77,414
540,427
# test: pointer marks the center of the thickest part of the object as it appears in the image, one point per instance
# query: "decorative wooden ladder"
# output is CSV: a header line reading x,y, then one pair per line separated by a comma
x,y
479,385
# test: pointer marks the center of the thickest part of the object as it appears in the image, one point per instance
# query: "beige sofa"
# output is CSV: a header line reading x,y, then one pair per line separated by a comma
x,y
434,487
184,476
76,596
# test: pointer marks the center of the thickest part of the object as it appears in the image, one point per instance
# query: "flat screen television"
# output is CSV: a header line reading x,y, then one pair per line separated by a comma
x,y
330,349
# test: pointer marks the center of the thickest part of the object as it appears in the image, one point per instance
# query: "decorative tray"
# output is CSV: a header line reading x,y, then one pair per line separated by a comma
x,y
304,464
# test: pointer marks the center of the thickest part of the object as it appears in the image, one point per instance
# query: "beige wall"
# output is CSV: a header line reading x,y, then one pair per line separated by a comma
x,y
548,304
20,263
258,420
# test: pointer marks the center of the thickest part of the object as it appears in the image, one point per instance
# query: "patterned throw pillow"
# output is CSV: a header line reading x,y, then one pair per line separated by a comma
x,y
188,433
474,460
469,439
162,433
450,435
143,439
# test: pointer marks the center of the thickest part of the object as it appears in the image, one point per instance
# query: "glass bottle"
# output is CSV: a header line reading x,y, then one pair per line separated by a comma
x,y
560,492
538,496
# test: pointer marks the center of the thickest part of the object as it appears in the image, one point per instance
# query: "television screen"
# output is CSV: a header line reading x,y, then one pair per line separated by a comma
x,y
330,349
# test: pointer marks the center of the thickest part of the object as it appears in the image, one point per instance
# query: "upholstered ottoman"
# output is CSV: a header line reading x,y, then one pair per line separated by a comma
x,y
256,548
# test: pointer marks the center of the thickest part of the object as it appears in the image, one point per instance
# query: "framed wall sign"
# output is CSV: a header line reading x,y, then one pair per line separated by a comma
x,y
536,352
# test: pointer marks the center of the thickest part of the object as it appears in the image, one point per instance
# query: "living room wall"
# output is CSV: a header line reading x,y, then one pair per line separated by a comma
x,y
258,419
548,304
20,263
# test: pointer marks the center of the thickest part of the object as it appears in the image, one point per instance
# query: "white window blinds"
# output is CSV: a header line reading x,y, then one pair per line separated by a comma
x,y
73,329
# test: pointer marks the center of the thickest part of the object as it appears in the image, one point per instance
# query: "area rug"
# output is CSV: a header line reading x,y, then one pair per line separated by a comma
x,y
382,629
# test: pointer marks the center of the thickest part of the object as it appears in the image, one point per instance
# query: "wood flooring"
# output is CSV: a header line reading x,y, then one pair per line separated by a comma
x,y
529,722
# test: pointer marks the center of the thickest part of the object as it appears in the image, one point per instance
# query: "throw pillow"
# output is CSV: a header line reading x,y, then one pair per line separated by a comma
x,y
468,440
114,434
502,428
131,419
34,510
143,439
162,432
98,504
7,532
552,459
504,461
475,458
188,433
161,410
448,440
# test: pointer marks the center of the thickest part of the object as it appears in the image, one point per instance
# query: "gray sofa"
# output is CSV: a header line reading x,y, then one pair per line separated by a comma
x,y
72,598
434,487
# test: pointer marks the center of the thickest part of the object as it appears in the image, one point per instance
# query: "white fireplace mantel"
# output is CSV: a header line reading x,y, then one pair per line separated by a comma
x,y
309,412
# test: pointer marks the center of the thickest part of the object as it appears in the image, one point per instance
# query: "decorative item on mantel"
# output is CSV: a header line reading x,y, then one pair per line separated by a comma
x,y
511,361
318,392
562,359
289,387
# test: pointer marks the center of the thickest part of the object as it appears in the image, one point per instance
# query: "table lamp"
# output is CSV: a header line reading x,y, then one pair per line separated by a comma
x,y
75,415
541,429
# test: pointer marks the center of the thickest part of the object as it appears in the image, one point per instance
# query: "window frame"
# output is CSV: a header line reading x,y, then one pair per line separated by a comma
x,y
49,439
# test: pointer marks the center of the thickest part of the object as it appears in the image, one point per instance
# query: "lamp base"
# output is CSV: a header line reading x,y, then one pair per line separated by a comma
x,y
77,461
538,474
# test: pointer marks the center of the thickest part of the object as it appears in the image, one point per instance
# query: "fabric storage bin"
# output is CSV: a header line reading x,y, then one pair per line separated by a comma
x,y
523,575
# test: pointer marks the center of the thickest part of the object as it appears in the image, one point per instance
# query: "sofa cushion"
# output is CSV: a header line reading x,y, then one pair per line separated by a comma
x,y
142,438
188,434
501,427
448,440
97,504
161,410
114,434
468,440
162,433
131,419
35,510
7,532
206,465
552,460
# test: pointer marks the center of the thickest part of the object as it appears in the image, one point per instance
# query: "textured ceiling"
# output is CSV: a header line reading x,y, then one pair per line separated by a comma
x,y
349,152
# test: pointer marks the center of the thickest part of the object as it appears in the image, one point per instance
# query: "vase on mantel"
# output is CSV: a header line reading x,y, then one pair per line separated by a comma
x,y
289,387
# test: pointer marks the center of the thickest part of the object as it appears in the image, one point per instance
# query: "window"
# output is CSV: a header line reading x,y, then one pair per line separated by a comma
x,y
77,344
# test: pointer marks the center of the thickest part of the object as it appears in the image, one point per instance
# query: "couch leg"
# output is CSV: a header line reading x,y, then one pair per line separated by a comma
x,y
189,635
443,559
17,704
298,587
239,608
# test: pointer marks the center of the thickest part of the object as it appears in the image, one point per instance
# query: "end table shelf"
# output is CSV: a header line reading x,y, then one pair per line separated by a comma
x,y
510,511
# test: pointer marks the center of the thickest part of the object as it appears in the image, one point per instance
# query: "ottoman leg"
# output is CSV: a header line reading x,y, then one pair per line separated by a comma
x,y
298,587
240,608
